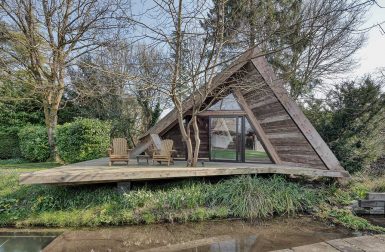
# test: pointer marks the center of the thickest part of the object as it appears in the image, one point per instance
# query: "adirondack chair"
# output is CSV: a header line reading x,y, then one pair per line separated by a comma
x,y
119,151
165,152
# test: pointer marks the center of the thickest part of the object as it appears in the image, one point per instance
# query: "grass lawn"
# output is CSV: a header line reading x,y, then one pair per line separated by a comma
x,y
230,154
248,197
16,165
253,154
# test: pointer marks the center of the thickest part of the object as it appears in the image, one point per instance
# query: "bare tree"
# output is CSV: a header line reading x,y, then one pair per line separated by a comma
x,y
151,70
305,40
194,60
44,37
101,81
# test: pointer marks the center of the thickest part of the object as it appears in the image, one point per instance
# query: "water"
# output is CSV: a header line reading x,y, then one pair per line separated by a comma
x,y
25,241
229,236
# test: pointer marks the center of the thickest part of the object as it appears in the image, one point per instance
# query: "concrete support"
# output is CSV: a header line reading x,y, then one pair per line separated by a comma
x,y
123,187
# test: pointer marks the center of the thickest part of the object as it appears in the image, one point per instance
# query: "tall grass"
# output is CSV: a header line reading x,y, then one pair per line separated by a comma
x,y
254,197
244,197
248,197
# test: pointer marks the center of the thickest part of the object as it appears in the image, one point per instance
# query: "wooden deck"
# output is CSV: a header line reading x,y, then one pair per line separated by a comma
x,y
98,171
355,244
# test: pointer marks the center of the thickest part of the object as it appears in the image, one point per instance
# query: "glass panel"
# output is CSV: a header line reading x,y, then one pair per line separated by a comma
x,y
223,138
227,103
254,150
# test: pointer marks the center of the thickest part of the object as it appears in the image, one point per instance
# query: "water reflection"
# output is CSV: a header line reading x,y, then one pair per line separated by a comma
x,y
216,236
247,243
24,242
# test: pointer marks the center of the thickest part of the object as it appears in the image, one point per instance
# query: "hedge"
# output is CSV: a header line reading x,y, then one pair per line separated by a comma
x,y
83,139
9,143
34,143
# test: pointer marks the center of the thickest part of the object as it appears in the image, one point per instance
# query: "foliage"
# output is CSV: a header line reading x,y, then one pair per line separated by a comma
x,y
34,143
347,219
83,139
188,200
336,207
289,32
9,143
16,110
259,198
155,115
351,121
378,168
18,102
45,51
100,95
248,197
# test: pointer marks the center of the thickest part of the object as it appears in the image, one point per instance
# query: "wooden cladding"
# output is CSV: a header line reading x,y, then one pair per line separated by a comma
x,y
283,134
179,144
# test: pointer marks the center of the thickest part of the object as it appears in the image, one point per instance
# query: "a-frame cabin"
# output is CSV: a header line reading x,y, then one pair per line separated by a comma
x,y
255,128
257,124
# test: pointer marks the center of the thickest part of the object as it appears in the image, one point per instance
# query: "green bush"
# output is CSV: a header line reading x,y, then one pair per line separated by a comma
x,y
34,143
83,139
9,143
351,121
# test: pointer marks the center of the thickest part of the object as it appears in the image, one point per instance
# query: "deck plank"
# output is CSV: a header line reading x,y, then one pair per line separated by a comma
x,y
99,172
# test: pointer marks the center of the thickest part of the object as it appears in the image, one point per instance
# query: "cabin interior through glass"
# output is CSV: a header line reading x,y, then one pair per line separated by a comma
x,y
225,133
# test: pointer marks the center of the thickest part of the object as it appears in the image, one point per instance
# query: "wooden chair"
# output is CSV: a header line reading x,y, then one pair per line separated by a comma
x,y
165,152
119,151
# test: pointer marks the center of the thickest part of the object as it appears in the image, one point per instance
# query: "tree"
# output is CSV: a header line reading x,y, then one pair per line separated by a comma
x,y
18,105
96,90
45,37
351,120
305,40
151,70
193,61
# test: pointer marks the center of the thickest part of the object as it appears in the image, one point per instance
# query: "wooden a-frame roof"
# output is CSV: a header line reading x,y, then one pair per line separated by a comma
x,y
286,134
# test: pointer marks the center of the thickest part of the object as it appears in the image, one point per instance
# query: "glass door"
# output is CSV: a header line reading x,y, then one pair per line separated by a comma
x,y
253,148
225,137
233,139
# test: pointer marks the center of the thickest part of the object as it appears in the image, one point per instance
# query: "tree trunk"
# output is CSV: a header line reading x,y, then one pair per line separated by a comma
x,y
197,141
51,105
51,118
186,137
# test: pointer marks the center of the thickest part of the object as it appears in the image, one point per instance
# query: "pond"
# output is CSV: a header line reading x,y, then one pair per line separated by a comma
x,y
229,236
17,241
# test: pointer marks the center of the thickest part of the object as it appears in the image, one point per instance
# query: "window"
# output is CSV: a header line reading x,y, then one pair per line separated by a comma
x,y
227,103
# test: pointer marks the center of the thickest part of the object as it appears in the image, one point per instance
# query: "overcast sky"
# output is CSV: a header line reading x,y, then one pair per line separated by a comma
x,y
372,55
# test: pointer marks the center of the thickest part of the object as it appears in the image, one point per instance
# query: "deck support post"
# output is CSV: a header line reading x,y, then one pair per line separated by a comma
x,y
123,187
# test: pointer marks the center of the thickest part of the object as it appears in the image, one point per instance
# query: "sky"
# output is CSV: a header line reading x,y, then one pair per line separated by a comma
x,y
372,55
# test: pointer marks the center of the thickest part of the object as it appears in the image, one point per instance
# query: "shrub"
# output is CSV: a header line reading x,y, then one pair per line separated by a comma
x,y
9,143
34,143
351,121
83,139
